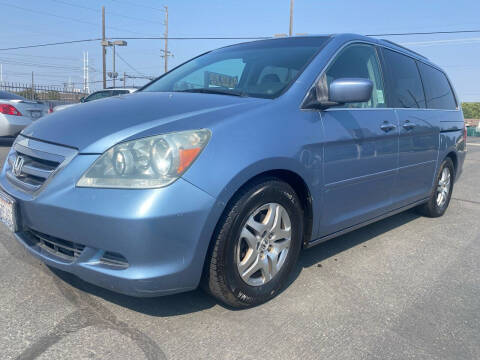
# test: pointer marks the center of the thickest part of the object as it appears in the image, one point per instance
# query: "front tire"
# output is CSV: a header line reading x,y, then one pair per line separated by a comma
x,y
256,245
442,192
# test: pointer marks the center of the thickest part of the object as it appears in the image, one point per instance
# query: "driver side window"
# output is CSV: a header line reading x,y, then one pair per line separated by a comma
x,y
358,61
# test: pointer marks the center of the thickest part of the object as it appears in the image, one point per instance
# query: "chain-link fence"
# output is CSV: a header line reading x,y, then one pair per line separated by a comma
x,y
52,95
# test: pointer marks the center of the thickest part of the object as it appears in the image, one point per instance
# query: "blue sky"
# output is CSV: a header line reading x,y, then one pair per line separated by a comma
x,y
26,22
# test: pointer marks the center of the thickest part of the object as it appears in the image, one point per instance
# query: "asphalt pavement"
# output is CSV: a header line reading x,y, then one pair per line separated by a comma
x,y
407,287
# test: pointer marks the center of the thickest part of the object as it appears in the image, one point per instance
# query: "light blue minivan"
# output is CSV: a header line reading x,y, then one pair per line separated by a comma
x,y
220,171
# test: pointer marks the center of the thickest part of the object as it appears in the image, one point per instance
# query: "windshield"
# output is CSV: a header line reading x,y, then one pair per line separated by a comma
x,y
258,69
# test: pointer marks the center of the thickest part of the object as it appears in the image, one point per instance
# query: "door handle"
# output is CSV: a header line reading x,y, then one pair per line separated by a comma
x,y
386,126
408,125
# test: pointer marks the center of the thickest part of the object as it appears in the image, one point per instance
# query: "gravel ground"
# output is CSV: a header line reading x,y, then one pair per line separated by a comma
x,y
405,287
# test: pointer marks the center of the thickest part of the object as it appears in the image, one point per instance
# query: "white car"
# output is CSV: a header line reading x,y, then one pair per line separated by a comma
x,y
16,113
98,95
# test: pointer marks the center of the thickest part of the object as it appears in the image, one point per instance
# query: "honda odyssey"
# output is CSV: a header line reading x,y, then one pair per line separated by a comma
x,y
220,171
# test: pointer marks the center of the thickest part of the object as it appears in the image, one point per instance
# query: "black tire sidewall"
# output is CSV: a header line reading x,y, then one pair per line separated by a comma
x,y
269,192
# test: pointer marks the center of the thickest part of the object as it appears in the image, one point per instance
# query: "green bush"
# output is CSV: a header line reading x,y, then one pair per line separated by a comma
x,y
471,110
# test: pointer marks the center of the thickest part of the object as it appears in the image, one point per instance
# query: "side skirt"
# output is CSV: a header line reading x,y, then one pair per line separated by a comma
x,y
365,223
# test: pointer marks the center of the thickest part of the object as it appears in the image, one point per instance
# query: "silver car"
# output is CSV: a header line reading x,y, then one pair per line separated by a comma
x,y
16,112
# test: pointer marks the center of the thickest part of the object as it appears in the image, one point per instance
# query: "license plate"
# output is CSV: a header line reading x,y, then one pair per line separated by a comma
x,y
36,114
7,211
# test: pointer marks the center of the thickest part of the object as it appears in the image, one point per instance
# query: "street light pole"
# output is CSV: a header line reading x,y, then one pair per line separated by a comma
x,y
107,43
291,18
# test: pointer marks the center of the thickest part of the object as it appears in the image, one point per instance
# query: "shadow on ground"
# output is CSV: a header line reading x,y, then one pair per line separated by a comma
x,y
197,300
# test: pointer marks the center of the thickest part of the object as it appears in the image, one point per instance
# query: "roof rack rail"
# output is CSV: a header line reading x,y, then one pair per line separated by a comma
x,y
405,48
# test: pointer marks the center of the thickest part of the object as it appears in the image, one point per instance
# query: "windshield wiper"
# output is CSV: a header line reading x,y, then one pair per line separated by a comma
x,y
214,91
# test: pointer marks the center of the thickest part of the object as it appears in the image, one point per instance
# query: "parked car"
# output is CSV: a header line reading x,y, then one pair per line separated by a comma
x,y
98,95
220,171
16,112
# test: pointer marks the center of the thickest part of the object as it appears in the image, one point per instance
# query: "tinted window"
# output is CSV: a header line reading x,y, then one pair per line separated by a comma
x,y
98,95
120,92
358,61
406,86
258,69
437,88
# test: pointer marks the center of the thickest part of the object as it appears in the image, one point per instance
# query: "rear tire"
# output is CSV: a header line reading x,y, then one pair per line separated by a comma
x,y
442,191
262,228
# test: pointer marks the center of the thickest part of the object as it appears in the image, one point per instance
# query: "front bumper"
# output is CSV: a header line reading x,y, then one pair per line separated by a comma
x,y
163,233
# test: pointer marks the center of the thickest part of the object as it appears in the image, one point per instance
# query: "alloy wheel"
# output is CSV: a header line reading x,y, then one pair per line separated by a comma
x,y
263,245
443,187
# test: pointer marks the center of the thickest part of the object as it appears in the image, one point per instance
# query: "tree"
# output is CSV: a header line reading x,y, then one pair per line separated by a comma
x,y
471,110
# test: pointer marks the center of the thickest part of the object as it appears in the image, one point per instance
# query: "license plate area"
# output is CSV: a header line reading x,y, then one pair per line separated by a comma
x,y
8,213
35,114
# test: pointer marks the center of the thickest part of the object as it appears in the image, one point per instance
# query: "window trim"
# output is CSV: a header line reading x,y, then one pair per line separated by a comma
x,y
448,82
327,38
327,65
389,82
378,46
379,63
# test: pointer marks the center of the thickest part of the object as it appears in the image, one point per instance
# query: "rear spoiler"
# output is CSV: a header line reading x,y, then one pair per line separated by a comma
x,y
27,101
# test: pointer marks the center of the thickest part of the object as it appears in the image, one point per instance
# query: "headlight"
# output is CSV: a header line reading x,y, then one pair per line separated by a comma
x,y
151,162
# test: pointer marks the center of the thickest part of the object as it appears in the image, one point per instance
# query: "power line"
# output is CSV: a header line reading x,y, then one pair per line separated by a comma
x,y
428,33
130,66
51,44
109,12
65,17
27,63
219,38
137,5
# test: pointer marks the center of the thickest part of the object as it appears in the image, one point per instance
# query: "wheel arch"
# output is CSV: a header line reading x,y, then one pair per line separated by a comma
x,y
293,178
301,189
453,156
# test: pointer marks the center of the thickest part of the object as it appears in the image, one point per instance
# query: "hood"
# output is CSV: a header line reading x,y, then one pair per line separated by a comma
x,y
96,126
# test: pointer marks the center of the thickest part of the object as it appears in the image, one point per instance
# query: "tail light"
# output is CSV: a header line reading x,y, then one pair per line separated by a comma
x,y
8,109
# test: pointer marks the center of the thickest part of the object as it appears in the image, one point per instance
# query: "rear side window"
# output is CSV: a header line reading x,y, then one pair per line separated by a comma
x,y
98,95
119,92
406,90
438,91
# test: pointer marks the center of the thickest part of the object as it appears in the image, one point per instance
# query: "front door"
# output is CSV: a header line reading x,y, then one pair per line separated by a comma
x,y
360,147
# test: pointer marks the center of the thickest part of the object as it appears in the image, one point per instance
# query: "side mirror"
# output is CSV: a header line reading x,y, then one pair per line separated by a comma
x,y
82,99
350,90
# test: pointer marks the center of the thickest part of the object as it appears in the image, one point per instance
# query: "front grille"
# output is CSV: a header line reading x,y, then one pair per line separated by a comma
x,y
63,249
32,163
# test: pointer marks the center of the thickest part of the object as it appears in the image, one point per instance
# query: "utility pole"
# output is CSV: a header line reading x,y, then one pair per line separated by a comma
x,y
114,73
88,77
291,18
86,87
104,49
33,89
124,80
166,39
